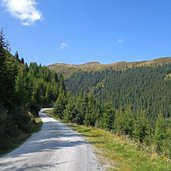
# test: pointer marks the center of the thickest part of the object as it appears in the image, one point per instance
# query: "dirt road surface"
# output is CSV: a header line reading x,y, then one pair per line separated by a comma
x,y
55,147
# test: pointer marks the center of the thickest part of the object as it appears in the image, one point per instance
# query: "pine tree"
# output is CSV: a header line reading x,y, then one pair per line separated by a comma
x,y
81,105
17,56
23,88
60,105
2,62
108,117
142,130
22,60
160,133
71,112
2,42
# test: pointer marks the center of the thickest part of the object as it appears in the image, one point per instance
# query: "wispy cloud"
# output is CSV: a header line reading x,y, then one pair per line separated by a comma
x,y
63,45
120,41
24,10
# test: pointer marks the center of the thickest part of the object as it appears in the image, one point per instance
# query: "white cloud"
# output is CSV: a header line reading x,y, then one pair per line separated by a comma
x,y
63,45
120,41
24,10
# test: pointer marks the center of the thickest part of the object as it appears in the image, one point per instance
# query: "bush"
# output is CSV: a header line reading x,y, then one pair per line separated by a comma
x,y
3,121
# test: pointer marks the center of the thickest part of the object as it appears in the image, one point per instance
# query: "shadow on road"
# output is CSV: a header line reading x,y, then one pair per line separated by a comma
x,y
27,167
52,136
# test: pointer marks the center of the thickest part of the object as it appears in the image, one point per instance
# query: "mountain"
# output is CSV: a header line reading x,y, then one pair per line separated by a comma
x,y
127,98
69,69
144,86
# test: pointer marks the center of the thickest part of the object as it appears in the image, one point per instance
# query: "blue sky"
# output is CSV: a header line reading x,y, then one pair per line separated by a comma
x,y
79,31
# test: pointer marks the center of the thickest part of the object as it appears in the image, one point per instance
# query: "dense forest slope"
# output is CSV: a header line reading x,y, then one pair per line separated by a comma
x,y
23,91
141,85
132,99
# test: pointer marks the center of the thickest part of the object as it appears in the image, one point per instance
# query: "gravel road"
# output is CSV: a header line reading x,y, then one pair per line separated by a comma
x,y
54,148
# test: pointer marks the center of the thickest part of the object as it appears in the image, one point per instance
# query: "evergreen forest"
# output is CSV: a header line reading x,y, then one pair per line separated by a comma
x,y
134,102
23,91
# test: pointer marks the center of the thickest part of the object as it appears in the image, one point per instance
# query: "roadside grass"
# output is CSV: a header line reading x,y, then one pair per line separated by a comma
x,y
37,123
123,154
20,137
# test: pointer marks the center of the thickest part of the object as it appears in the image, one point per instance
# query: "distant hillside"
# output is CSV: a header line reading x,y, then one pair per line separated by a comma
x,y
142,85
69,69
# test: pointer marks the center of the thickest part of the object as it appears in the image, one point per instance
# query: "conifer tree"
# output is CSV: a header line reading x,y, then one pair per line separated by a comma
x,y
17,56
108,117
142,130
60,104
160,135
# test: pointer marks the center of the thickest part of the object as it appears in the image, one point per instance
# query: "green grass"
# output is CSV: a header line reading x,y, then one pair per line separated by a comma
x,y
123,154
20,138
37,124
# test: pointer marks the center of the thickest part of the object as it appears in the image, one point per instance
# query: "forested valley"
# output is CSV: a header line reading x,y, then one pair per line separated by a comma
x,y
23,91
132,101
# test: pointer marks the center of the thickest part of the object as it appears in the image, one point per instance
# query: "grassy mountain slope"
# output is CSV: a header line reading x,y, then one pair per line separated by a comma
x,y
69,69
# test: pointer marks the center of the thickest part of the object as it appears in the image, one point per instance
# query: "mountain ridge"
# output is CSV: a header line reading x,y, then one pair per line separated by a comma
x,y
69,69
